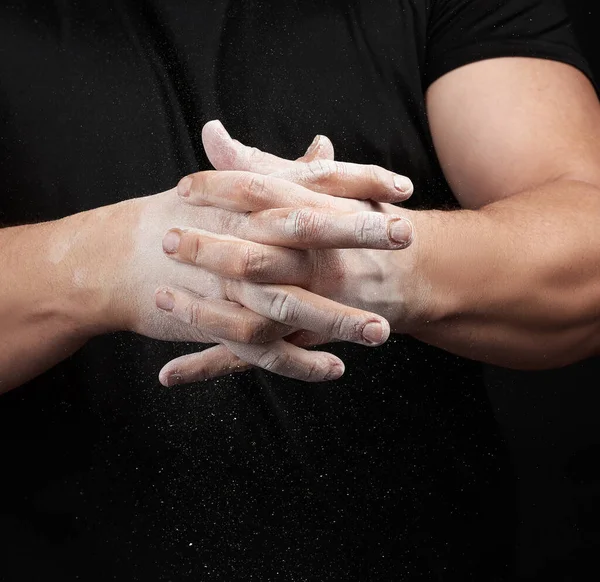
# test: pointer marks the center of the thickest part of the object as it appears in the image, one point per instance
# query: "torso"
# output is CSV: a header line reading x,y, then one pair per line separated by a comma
x,y
389,474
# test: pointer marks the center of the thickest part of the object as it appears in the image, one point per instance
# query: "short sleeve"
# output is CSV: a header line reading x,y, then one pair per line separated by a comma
x,y
464,31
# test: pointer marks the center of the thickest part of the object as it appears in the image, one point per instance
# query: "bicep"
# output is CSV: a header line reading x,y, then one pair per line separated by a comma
x,y
506,125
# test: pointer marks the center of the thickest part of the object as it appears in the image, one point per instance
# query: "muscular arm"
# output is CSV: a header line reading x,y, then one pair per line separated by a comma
x,y
514,278
516,283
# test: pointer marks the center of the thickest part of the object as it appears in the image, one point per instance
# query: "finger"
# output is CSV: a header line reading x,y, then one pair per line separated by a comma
x,y
286,359
278,357
316,169
250,192
208,364
287,227
225,153
301,309
218,318
320,149
346,180
308,339
235,258
307,228
219,361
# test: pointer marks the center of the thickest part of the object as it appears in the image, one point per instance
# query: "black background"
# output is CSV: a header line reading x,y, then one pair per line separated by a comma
x,y
551,421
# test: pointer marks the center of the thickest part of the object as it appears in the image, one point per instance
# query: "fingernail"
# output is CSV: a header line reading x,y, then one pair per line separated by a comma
x,y
221,129
335,373
165,301
171,242
402,184
174,380
401,231
314,146
373,333
184,186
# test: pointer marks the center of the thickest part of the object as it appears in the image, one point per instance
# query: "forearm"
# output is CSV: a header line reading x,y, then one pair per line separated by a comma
x,y
49,306
516,283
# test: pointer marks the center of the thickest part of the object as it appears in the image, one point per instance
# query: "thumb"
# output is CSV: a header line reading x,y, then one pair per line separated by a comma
x,y
225,153
320,149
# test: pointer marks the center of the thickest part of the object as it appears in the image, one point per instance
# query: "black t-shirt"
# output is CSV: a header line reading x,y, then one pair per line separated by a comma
x,y
395,472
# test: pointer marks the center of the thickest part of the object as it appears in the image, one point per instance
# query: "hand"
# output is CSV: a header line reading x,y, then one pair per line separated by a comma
x,y
249,317
358,187
330,273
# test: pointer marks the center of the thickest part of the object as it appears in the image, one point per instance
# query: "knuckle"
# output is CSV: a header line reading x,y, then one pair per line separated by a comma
x,y
251,262
365,227
305,224
243,189
373,173
195,250
343,327
273,361
340,169
322,169
256,187
314,372
336,325
198,186
284,308
195,314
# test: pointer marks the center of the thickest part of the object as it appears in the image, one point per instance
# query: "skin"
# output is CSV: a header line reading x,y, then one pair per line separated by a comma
x,y
325,269
510,279
105,270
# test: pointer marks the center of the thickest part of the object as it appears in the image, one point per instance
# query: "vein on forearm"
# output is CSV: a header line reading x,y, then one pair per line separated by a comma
x,y
515,283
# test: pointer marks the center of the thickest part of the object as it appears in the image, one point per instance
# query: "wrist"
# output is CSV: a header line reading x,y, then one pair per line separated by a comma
x,y
92,244
423,286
